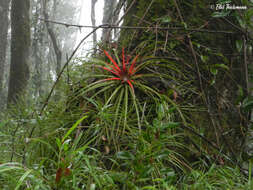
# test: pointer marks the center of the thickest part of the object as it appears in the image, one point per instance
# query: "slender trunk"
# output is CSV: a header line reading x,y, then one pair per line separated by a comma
x,y
115,19
93,21
52,35
38,70
4,22
36,49
109,8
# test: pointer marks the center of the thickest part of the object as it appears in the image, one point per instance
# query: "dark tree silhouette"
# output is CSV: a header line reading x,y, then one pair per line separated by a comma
x,y
20,43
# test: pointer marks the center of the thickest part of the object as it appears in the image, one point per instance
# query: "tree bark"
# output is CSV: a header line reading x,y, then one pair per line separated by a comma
x,y
20,44
4,23
38,51
52,35
109,7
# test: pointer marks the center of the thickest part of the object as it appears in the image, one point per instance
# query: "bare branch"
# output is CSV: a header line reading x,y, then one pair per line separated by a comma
x,y
141,27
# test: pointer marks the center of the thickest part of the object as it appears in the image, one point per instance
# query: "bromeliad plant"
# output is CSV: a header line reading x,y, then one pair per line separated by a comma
x,y
124,73
123,88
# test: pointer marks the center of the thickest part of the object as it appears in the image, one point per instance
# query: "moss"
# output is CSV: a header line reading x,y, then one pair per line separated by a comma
x,y
210,48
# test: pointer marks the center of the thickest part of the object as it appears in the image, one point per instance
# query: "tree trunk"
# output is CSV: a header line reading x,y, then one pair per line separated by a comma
x,y
115,18
4,22
20,43
52,35
109,8
37,51
93,21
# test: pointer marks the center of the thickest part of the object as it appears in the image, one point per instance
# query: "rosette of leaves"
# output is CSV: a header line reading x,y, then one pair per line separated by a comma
x,y
124,88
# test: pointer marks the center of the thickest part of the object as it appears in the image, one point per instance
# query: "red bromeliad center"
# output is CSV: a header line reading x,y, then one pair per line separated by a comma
x,y
124,76
122,73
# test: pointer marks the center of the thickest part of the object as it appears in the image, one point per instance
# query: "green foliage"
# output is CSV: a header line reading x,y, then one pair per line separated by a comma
x,y
149,159
124,102
216,178
101,133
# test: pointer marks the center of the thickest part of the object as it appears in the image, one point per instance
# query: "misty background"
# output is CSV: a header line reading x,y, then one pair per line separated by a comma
x,y
52,43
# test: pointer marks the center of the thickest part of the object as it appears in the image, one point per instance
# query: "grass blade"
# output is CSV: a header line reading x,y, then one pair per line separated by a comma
x,y
21,180
73,128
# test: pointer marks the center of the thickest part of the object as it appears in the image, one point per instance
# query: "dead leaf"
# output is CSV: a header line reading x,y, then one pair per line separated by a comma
x,y
107,149
58,175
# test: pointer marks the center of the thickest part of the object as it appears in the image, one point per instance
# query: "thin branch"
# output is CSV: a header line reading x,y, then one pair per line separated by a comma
x,y
70,58
245,65
58,78
241,31
234,25
234,161
156,39
193,52
141,20
57,50
198,73
245,62
140,27
166,41
13,141
126,12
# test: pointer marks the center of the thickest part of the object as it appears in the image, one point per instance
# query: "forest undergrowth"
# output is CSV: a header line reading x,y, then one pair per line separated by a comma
x,y
160,110
105,132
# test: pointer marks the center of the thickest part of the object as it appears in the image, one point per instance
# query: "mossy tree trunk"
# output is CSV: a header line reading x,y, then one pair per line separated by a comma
x,y
20,44
200,53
